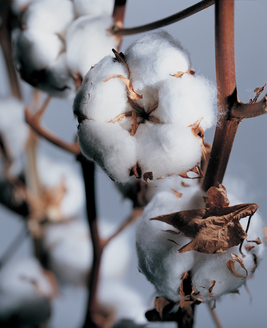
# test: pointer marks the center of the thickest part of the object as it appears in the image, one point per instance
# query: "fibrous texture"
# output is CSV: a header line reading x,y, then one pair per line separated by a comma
x,y
144,113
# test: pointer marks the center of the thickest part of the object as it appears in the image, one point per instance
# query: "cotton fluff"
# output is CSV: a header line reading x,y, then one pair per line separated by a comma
x,y
162,264
25,293
13,130
19,6
49,16
93,7
172,112
70,253
87,41
51,174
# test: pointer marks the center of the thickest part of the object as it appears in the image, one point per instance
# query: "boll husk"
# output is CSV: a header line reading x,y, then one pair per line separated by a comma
x,y
25,293
87,41
157,107
162,264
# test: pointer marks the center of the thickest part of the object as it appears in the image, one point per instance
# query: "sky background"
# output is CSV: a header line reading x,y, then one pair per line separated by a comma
x,y
246,169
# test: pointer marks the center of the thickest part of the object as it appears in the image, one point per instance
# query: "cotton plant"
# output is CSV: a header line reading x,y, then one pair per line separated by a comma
x,y
200,240
26,291
146,104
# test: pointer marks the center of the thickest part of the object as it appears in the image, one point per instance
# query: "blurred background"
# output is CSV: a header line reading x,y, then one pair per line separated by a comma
x,y
245,173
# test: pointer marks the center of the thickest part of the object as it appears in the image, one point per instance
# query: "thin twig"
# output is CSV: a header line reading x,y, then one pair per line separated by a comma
x,y
227,95
41,131
116,30
215,316
240,110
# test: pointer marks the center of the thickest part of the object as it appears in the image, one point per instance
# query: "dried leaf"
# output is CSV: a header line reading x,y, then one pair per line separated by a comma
x,y
231,266
128,83
217,197
257,241
176,193
213,282
215,228
160,303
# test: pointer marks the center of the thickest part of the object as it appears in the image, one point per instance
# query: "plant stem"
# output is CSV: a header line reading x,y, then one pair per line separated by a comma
x,y
227,95
214,316
117,30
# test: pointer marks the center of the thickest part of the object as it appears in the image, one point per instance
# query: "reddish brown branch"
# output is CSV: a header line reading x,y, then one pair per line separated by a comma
x,y
227,95
241,111
116,30
41,131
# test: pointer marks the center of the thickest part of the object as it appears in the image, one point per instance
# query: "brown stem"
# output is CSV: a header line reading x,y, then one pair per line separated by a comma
x,y
88,169
118,17
116,30
5,42
227,95
41,131
240,111
215,316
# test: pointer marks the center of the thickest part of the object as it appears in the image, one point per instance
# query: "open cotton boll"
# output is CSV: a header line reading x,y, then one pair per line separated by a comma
x,y
110,146
153,57
49,16
25,293
99,100
158,258
57,80
36,50
53,173
166,149
18,6
87,41
123,301
93,7
186,100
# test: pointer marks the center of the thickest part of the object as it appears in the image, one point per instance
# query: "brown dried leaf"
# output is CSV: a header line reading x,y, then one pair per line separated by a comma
x,y
160,303
217,197
231,266
213,282
128,83
214,229
176,193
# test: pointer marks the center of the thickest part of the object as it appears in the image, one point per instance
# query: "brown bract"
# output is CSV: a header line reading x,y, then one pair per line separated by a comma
x,y
216,227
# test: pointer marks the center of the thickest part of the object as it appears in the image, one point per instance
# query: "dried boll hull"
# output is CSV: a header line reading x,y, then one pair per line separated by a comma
x,y
160,133
212,275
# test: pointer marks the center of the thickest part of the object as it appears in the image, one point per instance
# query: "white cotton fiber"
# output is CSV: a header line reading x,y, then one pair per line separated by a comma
x,y
36,50
163,265
186,100
93,7
99,100
52,174
153,58
25,293
110,146
166,149
87,41
18,6
49,16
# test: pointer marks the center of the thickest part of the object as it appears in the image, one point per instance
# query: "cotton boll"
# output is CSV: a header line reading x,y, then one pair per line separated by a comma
x,y
99,100
93,7
110,146
49,16
25,293
153,57
19,6
87,41
186,100
52,174
122,300
69,250
158,257
36,50
58,82
13,130
167,149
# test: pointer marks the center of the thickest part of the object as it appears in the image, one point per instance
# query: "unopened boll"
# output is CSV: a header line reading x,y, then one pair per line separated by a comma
x,y
157,106
25,293
162,264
